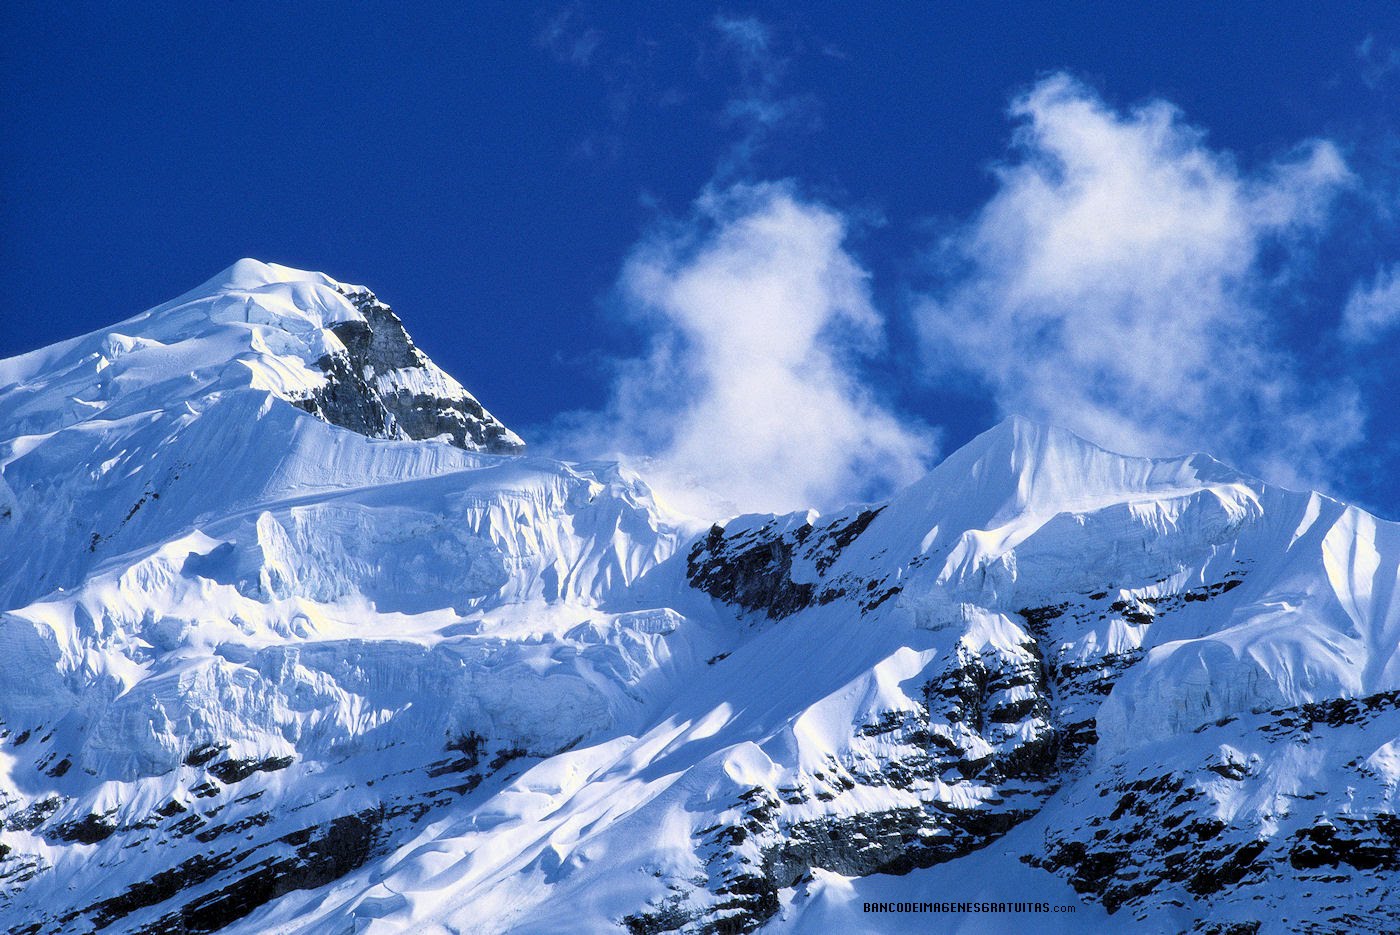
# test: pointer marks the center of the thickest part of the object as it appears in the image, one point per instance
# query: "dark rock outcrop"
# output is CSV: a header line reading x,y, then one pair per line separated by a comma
x,y
1160,832
227,853
365,390
754,568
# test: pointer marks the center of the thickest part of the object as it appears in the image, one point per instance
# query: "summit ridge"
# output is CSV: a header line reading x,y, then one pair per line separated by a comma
x,y
299,639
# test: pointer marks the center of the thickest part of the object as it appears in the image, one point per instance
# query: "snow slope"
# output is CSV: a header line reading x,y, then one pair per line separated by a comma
x,y
297,640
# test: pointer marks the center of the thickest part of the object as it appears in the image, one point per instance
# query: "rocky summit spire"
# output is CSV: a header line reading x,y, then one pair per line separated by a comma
x,y
269,663
331,349
379,384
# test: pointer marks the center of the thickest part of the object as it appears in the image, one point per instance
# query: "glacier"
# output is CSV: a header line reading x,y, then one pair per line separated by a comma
x,y
300,638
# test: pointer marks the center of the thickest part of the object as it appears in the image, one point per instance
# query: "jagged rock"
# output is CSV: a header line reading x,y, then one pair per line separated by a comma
x,y
753,568
382,386
272,652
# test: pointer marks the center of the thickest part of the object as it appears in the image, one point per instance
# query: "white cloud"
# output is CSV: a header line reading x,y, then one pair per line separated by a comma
x,y
757,110
751,391
1377,64
1114,284
752,39
568,39
1374,309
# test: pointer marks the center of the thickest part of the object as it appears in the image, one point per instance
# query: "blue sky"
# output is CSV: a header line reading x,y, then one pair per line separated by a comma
x,y
795,255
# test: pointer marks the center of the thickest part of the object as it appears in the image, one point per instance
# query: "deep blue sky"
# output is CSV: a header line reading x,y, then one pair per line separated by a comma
x,y
489,180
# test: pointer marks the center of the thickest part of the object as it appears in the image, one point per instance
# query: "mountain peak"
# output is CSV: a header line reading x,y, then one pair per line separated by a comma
x,y
331,349
1024,466
378,383
249,273
286,669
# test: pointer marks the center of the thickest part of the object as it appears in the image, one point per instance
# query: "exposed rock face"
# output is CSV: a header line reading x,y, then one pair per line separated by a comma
x,y
997,726
973,758
1142,837
382,386
753,568
235,850
265,674
1010,721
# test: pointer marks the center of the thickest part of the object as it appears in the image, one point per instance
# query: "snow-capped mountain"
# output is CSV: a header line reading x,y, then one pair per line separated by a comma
x,y
297,639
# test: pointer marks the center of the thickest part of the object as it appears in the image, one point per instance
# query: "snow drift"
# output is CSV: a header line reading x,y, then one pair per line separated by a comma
x,y
298,639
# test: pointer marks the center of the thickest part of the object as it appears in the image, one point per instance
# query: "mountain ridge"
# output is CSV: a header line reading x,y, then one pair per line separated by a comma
x,y
333,349
268,672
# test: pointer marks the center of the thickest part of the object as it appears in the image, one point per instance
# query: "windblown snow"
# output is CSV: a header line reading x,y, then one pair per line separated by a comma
x,y
298,639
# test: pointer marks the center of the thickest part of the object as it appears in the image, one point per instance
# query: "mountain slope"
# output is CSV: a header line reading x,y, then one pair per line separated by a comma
x,y
298,641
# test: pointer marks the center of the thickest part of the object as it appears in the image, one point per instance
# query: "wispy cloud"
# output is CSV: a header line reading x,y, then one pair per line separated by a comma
x,y
1116,284
1373,309
649,70
751,396
1377,63
759,107
569,39
1122,281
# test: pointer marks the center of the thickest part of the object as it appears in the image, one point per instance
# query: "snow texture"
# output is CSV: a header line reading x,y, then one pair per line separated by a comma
x,y
297,640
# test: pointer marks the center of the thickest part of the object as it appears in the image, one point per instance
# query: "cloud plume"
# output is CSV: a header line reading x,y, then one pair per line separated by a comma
x,y
750,396
1373,309
1119,283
